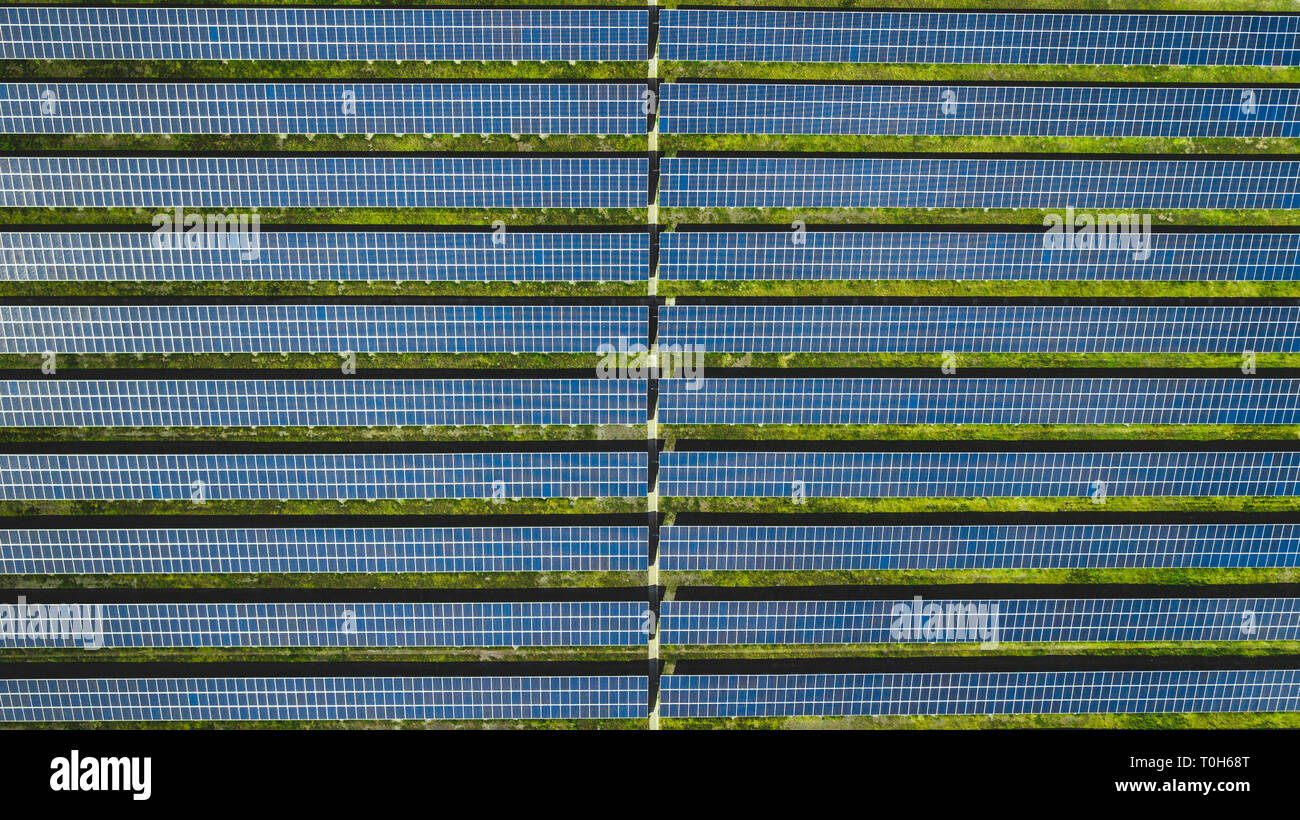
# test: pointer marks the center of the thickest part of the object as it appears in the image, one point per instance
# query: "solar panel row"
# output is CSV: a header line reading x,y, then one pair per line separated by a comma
x,y
751,35
974,110
286,477
707,474
340,698
1050,620
320,328
333,549
324,182
323,402
304,33
981,693
921,182
509,256
352,624
322,108
726,255
767,328
939,547
975,401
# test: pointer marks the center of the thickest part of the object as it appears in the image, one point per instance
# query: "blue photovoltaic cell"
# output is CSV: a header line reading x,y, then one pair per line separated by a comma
x,y
322,108
707,474
937,547
963,255
1007,38
980,328
949,400
349,550
981,693
328,256
260,699
300,476
929,182
976,110
269,33
324,182
324,402
322,328
349,624
1051,620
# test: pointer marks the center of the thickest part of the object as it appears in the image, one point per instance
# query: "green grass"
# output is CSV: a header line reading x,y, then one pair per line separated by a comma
x,y
946,216
1175,577
322,361
332,580
970,650
248,70
347,216
1232,361
555,290
1218,720
354,143
527,506
672,143
930,288
918,505
558,654
947,432
923,72
521,432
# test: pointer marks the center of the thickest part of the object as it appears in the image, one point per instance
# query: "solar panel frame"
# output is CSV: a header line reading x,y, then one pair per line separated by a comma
x,y
321,402
692,548
341,256
317,550
1042,183
975,110
757,474
335,698
319,476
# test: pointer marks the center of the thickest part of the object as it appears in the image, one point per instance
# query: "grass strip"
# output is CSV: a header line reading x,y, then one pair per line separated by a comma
x,y
957,432
919,505
1127,575
523,432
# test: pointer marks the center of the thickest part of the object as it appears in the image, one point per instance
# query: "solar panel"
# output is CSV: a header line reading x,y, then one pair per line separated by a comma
x,y
322,108
981,693
303,476
928,182
347,624
341,698
1014,38
340,549
938,547
321,402
726,255
975,401
981,328
323,182
279,33
704,474
1037,620
978,110
319,328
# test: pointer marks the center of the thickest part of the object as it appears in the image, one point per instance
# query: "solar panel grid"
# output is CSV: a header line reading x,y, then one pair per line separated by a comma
x,y
322,108
512,256
770,255
299,476
318,328
981,693
336,698
305,33
1008,38
768,328
323,182
1009,111
977,401
1050,620
335,550
927,182
938,547
324,402
751,474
